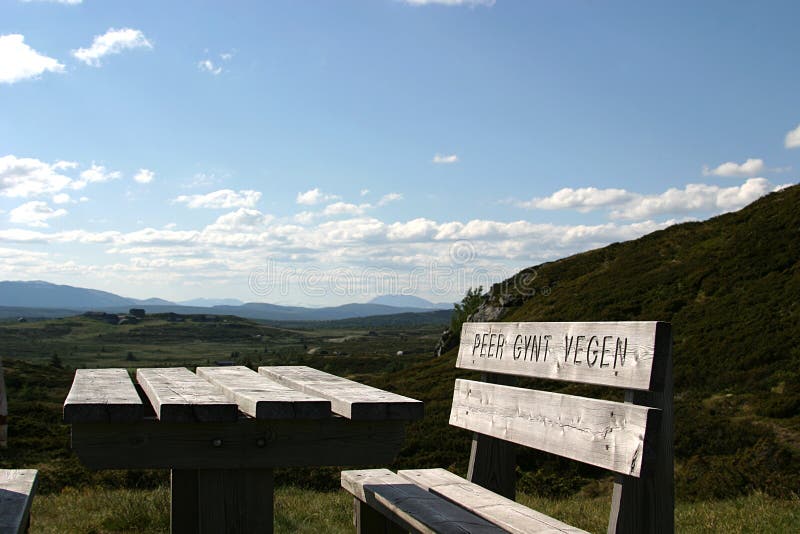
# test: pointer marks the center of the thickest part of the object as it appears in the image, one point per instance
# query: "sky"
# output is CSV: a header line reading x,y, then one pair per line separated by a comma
x,y
323,152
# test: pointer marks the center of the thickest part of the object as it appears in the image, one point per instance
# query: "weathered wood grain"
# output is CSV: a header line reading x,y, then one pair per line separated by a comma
x,y
498,510
410,506
246,444
619,354
262,398
602,433
348,398
17,487
178,395
102,395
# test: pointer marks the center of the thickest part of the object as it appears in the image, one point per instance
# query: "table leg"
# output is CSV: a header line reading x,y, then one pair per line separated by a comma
x,y
222,500
183,501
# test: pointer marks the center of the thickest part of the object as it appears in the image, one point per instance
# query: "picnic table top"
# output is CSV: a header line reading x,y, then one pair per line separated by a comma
x,y
228,394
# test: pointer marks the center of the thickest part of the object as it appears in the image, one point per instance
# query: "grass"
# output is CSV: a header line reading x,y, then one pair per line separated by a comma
x,y
92,511
95,511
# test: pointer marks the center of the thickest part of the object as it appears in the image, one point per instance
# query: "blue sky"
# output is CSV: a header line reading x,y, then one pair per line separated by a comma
x,y
321,152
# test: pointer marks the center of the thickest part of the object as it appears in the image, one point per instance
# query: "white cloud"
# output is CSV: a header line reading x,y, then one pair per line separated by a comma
x,y
241,219
445,159
144,176
364,192
26,177
224,198
34,213
390,197
751,167
487,3
206,65
94,175
19,61
214,67
415,229
112,42
793,138
582,199
629,205
61,198
337,208
695,198
314,196
305,217
345,208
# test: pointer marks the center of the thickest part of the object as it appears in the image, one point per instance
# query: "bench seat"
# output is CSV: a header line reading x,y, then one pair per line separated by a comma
x,y
17,487
510,515
411,507
436,500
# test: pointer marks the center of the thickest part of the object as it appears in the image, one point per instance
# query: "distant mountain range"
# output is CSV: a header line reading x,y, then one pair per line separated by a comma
x,y
210,302
43,299
410,301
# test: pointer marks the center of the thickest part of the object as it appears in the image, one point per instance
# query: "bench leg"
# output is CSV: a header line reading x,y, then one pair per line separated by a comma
x,y
369,521
222,500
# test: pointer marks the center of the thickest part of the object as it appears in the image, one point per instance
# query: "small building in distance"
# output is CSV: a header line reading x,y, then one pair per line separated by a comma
x,y
137,312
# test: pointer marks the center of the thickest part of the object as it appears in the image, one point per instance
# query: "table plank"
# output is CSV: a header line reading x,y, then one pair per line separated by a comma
x,y
262,398
178,395
102,395
348,398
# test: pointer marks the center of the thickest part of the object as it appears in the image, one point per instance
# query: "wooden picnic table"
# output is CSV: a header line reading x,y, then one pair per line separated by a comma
x,y
222,430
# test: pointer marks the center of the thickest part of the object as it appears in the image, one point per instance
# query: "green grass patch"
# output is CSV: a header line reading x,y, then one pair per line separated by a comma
x,y
89,511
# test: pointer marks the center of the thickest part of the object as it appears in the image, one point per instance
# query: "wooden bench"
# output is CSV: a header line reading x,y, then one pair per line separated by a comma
x,y
633,438
16,493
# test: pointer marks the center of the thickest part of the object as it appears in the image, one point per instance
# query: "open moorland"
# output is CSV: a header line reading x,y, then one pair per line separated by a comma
x,y
727,285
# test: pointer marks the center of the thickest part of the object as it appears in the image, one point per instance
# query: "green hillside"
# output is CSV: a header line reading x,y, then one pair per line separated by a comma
x,y
730,286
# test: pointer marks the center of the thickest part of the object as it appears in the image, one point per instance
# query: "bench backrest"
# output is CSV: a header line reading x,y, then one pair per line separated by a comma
x,y
632,438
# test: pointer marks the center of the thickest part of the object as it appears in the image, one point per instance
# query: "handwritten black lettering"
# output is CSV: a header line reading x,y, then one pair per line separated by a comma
x,y
518,350
590,352
621,351
575,359
603,352
567,347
